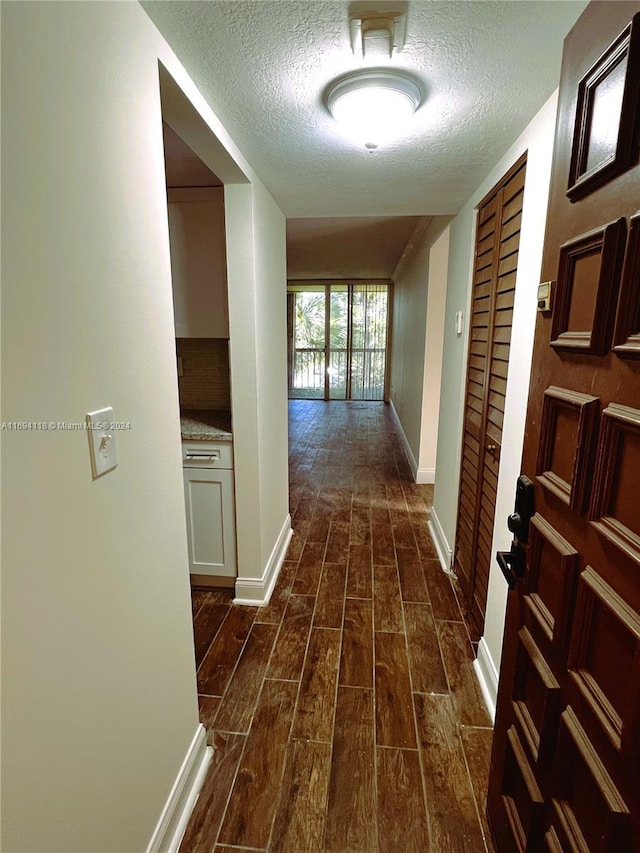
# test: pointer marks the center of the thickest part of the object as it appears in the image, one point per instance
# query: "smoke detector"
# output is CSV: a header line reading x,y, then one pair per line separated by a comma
x,y
377,34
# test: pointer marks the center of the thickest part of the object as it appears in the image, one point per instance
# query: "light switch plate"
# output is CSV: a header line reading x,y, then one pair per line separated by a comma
x,y
102,441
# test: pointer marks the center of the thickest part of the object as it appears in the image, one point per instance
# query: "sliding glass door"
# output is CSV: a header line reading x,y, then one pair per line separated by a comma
x,y
338,336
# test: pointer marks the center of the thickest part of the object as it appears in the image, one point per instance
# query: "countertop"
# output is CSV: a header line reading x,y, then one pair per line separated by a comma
x,y
205,425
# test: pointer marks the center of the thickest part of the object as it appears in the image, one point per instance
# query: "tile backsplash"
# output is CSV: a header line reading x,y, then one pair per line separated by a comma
x,y
206,379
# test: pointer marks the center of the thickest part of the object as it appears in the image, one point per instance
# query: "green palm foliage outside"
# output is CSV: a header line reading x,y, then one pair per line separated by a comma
x,y
356,345
309,320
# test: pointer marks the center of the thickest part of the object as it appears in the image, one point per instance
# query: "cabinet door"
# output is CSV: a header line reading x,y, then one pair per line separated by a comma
x,y
210,521
198,262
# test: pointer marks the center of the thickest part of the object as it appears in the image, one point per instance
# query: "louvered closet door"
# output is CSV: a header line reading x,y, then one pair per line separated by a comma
x,y
496,261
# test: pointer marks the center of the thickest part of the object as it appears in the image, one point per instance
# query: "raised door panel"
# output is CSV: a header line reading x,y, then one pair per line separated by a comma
x,y
604,662
627,331
586,801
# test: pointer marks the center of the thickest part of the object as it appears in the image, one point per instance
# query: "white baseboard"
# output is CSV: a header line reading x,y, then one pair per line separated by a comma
x,y
177,811
487,676
408,452
443,549
257,591
420,475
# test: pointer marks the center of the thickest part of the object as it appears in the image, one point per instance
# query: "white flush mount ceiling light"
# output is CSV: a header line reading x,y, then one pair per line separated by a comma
x,y
373,106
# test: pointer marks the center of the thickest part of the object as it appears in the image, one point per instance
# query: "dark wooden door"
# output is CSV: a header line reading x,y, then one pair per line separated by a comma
x,y
494,283
565,767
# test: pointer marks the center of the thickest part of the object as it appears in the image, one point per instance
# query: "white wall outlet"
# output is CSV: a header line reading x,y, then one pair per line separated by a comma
x,y
102,441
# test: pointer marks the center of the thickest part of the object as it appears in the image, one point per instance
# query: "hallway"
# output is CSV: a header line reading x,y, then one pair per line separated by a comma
x,y
345,714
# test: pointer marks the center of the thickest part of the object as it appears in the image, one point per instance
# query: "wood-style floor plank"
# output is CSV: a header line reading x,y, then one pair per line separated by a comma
x,y
341,499
402,529
395,724
425,659
220,661
350,823
287,659
208,708
383,548
453,819
294,552
413,585
305,509
300,817
360,526
236,709
316,702
198,598
274,610
206,625
387,602
423,539
309,569
253,798
360,572
320,522
458,663
356,665
338,542
402,819
441,594
330,598
477,749
207,815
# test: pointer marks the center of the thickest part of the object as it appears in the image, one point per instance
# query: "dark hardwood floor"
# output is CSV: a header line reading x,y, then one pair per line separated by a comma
x,y
345,715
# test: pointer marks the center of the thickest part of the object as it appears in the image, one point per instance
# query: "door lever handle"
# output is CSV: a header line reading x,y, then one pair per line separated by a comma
x,y
512,564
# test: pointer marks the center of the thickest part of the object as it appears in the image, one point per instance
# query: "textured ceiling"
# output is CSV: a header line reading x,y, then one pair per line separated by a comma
x,y
347,248
487,68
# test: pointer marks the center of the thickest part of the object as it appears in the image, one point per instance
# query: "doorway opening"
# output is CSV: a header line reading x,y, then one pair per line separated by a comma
x,y
338,336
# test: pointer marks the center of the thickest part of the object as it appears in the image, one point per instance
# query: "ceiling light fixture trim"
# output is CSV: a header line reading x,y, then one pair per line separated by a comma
x,y
373,104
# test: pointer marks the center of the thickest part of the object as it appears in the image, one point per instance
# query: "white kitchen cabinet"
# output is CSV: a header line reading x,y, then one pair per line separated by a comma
x,y
198,262
210,506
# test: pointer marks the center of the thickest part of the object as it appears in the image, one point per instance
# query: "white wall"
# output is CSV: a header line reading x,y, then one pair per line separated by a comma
x,y
271,350
537,140
99,696
258,348
418,301
436,302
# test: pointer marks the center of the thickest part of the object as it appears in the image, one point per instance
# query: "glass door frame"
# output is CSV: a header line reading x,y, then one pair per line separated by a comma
x,y
349,286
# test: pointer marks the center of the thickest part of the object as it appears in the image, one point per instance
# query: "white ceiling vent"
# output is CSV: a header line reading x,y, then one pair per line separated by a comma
x,y
377,34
